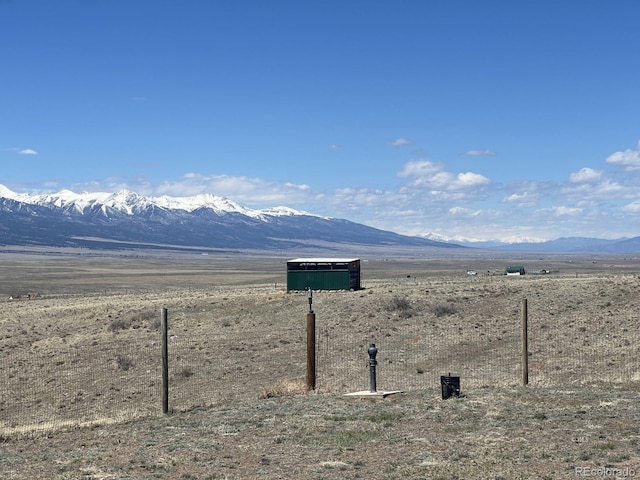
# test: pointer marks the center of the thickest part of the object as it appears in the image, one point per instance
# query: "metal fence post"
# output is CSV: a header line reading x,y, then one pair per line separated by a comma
x,y
525,344
165,361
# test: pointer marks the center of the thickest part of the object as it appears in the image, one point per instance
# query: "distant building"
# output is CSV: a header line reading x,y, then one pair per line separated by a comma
x,y
26,296
514,270
323,274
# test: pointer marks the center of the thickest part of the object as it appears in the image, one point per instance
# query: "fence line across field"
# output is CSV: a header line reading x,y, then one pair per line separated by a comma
x,y
83,384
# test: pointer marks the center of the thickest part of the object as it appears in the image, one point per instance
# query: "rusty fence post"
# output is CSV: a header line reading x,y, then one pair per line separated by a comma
x,y
311,344
311,351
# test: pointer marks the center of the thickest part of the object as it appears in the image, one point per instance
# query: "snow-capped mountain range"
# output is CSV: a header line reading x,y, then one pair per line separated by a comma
x,y
126,219
130,203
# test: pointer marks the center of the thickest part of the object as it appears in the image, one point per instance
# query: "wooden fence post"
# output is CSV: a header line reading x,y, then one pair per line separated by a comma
x,y
165,361
525,344
311,351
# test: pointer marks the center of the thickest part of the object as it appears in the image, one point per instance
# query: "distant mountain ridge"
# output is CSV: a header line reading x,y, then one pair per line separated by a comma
x,y
564,245
126,219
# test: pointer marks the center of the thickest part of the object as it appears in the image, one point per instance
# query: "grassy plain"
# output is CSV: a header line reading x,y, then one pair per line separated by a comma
x,y
565,424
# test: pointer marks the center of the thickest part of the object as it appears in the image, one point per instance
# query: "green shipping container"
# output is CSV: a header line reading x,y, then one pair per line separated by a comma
x,y
323,274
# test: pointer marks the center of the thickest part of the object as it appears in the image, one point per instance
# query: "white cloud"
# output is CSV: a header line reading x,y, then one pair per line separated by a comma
x,y
470,179
400,142
450,182
605,189
609,187
464,212
419,168
523,199
433,175
27,151
365,197
585,175
252,191
629,159
299,187
336,147
475,153
633,207
429,181
439,180
563,210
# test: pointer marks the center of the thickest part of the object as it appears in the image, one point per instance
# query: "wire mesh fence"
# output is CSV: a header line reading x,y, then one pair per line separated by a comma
x,y
571,352
410,359
78,385
92,383
225,367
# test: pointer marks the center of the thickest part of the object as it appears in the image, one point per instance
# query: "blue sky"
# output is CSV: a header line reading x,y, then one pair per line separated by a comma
x,y
468,119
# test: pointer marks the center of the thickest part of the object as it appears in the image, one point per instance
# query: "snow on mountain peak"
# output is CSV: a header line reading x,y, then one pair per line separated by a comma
x,y
284,212
508,240
6,193
215,202
129,202
62,199
126,201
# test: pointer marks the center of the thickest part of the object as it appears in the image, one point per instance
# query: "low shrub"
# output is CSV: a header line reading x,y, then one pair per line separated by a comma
x,y
119,324
124,363
402,306
444,309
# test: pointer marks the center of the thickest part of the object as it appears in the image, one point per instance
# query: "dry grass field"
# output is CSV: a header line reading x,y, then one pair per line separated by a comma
x,y
80,387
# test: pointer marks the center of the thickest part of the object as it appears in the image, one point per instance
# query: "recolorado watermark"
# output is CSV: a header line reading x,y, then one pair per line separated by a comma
x,y
605,472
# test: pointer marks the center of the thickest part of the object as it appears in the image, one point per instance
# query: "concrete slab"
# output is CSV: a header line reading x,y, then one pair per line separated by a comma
x,y
379,393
